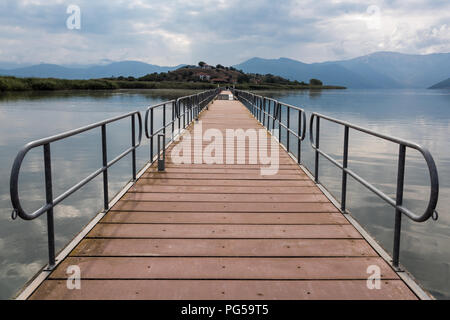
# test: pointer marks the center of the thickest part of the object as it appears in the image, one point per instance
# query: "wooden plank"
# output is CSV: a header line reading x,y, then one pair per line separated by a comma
x,y
223,268
224,248
173,231
238,161
230,176
224,189
219,182
184,166
236,153
224,290
235,161
227,218
255,171
224,207
169,166
240,152
214,197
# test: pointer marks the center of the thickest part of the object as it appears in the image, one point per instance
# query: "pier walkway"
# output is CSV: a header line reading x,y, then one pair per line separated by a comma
x,y
224,231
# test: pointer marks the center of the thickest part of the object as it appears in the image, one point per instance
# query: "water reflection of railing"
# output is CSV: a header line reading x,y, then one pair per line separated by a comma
x,y
51,202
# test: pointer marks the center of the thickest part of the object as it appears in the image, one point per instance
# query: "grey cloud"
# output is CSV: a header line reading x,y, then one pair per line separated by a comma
x,y
174,31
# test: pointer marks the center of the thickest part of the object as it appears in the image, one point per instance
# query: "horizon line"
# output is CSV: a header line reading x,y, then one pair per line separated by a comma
x,y
99,63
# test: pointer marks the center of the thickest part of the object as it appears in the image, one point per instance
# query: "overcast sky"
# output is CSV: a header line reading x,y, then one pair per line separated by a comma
x,y
171,32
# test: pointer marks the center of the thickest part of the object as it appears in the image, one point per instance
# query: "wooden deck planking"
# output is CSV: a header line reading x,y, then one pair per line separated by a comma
x,y
219,218
227,290
214,197
224,231
209,231
115,247
262,268
223,190
224,206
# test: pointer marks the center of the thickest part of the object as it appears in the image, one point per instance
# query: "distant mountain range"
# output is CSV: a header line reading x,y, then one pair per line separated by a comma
x,y
442,85
123,68
377,70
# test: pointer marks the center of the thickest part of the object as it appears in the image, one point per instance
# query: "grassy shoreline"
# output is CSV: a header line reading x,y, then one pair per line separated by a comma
x,y
9,84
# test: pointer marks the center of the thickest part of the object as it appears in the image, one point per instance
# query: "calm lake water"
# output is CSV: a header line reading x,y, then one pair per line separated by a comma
x,y
422,116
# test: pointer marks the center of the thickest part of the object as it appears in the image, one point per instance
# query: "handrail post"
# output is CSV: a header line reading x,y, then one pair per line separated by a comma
x,y
261,113
274,115
316,162
184,114
105,169
344,173
279,122
173,119
288,123
164,119
49,200
299,142
197,107
133,144
151,135
179,115
191,109
161,162
399,202
259,109
264,113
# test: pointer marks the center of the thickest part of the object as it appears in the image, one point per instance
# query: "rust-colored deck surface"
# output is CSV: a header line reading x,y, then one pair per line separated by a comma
x,y
224,231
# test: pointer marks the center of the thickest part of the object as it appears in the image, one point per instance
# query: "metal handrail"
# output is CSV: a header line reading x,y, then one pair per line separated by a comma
x,y
269,109
397,203
52,202
264,108
192,106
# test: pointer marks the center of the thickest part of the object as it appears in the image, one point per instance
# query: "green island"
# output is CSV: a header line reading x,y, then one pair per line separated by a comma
x,y
200,77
